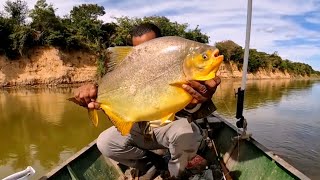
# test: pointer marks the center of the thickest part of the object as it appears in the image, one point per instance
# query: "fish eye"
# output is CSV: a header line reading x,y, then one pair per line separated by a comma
x,y
205,56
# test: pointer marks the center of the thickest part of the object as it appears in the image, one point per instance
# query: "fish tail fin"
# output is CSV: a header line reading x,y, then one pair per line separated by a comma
x,y
93,116
122,125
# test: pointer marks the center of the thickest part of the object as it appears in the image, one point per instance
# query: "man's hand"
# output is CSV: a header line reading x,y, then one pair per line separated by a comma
x,y
86,95
201,91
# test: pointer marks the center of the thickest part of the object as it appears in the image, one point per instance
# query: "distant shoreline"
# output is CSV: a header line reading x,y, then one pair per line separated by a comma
x,y
77,84
47,66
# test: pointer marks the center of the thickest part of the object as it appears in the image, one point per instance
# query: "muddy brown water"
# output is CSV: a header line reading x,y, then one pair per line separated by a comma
x,y
38,127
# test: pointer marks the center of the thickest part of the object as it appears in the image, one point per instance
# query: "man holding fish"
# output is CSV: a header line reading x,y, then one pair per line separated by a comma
x,y
129,143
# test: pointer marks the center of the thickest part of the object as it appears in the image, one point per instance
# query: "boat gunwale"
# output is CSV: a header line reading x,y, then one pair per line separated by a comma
x,y
75,156
285,165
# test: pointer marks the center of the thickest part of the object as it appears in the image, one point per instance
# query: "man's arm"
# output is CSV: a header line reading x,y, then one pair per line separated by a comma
x,y
204,110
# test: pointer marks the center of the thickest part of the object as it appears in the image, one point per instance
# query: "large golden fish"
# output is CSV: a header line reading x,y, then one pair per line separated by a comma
x,y
146,83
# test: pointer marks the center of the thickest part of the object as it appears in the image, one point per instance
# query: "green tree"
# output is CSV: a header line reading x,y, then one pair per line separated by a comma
x,y
48,26
123,30
90,32
168,28
254,61
86,12
22,39
275,60
17,11
283,66
108,31
6,28
82,30
87,27
14,35
230,50
196,35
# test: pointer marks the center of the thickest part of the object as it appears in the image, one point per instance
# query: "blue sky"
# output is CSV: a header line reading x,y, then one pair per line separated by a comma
x,y
290,27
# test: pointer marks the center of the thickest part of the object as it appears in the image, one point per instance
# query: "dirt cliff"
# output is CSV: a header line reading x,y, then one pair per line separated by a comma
x,y
50,66
230,70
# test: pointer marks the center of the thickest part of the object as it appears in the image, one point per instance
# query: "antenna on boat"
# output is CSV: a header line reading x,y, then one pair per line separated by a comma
x,y
242,123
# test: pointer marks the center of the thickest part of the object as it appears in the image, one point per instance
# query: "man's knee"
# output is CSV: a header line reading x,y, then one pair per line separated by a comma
x,y
110,142
187,138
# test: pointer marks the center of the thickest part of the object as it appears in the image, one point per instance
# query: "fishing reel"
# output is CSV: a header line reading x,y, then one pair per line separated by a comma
x,y
242,122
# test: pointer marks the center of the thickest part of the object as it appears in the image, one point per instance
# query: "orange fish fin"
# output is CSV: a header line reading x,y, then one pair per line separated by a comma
x,y
167,118
122,125
117,55
93,116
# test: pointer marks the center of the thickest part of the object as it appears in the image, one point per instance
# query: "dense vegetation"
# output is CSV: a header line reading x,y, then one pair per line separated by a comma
x,y
22,29
261,60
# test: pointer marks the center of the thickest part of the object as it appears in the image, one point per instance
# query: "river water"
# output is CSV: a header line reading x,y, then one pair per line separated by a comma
x,y
38,127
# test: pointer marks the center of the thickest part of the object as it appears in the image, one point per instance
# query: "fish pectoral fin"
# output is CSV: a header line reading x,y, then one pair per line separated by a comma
x,y
117,55
178,83
123,126
93,116
167,118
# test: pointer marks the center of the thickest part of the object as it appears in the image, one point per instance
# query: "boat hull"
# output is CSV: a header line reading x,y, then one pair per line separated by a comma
x,y
245,159
88,163
248,159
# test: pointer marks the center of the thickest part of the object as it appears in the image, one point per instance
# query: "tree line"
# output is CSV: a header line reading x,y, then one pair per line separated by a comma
x,y
260,60
22,29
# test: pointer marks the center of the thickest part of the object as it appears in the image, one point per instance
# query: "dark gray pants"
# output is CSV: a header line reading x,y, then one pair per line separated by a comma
x,y
180,137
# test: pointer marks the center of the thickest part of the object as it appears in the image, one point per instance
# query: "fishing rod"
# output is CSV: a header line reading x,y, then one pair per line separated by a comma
x,y
241,123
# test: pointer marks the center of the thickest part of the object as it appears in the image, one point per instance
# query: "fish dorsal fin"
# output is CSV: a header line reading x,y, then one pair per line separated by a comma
x,y
117,55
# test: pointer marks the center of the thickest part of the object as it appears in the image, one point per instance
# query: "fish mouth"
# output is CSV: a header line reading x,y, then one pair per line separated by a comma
x,y
217,59
215,52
